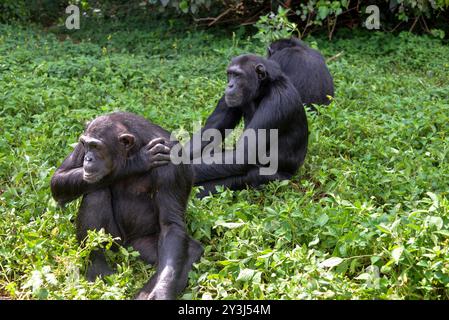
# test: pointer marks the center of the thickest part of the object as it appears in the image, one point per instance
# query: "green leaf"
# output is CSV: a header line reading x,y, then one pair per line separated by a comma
x,y
323,12
271,211
322,220
284,183
229,225
396,253
246,275
331,262
184,6
383,229
314,241
435,203
436,222
443,232
363,276
227,262
374,259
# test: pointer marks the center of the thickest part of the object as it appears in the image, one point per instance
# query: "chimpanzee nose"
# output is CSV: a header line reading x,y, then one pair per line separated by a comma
x,y
87,158
231,85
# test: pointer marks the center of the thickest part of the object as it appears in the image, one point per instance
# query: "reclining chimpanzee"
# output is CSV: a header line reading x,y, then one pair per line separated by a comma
x,y
117,168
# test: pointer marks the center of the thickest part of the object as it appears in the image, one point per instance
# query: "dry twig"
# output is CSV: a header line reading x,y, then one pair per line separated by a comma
x,y
334,57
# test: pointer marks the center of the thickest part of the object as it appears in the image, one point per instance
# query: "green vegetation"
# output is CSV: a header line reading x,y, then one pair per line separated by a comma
x,y
366,217
429,16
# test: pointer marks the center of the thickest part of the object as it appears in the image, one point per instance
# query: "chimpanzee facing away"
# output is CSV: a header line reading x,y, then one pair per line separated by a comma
x,y
260,93
117,168
306,69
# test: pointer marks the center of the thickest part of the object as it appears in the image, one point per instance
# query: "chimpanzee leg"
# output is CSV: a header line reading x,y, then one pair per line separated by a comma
x,y
147,247
173,255
232,182
255,179
195,252
96,213
251,179
176,250
210,172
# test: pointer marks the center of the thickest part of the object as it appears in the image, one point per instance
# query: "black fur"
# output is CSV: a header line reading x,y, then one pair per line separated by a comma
x,y
306,69
145,208
274,103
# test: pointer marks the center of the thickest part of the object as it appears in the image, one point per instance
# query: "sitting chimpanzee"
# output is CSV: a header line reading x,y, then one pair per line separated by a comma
x,y
306,69
117,168
260,93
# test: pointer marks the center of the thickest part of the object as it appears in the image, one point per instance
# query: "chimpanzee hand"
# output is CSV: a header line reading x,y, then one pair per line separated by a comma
x,y
155,154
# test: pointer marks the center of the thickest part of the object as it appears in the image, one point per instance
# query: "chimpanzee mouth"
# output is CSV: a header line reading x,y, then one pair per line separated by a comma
x,y
233,100
90,176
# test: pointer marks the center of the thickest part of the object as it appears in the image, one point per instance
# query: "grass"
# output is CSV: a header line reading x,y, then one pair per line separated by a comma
x,y
366,217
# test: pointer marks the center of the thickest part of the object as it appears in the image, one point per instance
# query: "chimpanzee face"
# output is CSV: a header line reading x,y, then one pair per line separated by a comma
x,y
103,152
244,79
97,159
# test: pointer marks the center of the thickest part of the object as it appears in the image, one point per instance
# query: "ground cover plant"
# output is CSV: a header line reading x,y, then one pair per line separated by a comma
x,y
366,217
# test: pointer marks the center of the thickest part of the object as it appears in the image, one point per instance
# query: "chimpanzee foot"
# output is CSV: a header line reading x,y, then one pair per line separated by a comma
x,y
98,268
94,272
141,296
155,295
161,286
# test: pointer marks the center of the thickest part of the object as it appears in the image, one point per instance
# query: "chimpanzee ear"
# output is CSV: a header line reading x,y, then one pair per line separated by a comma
x,y
127,140
261,71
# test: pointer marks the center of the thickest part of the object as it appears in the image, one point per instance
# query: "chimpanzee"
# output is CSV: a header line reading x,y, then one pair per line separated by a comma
x,y
260,93
306,69
121,168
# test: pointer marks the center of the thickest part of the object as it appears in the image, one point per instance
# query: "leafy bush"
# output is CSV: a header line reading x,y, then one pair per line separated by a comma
x,y
275,26
46,12
430,16
13,10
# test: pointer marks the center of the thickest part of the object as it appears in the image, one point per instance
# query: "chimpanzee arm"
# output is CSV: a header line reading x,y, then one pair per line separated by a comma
x,y
244,151
275,111
67,183
223,117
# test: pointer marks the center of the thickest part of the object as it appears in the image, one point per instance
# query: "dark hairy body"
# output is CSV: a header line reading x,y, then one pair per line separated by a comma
x,y
306,69
260,93
303,79
121,169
